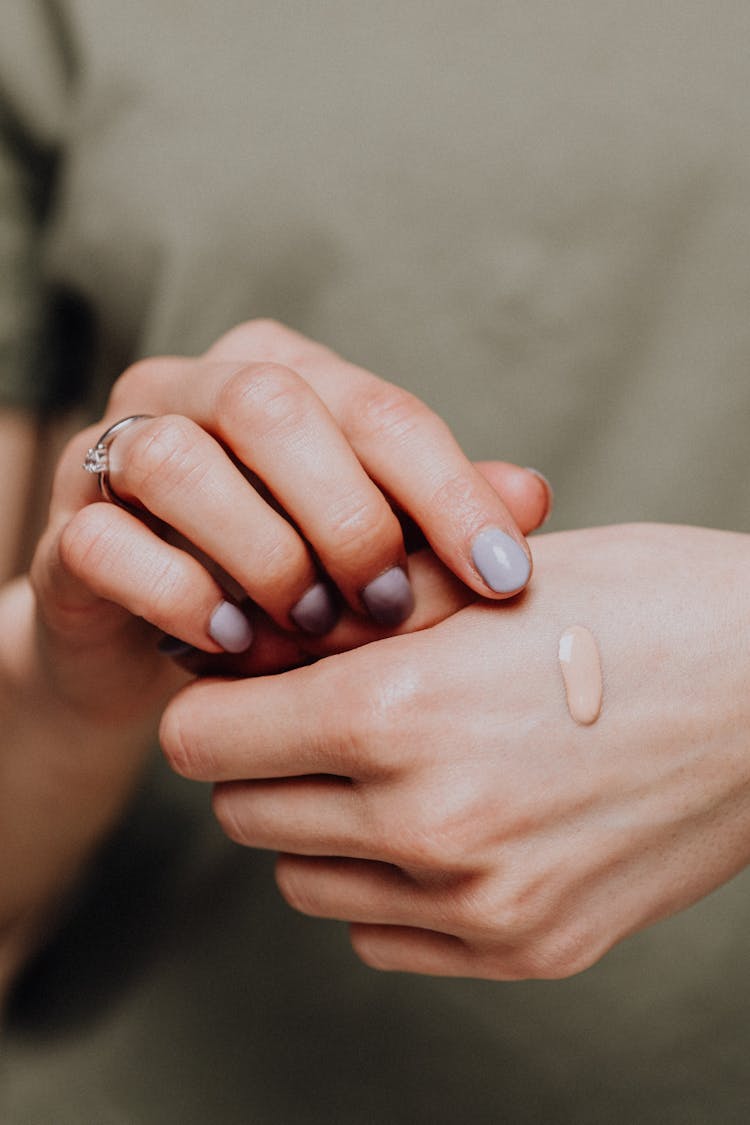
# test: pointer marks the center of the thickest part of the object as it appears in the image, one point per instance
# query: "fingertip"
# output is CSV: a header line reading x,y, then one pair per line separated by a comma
x,y
230,629
547,499
389,598
526,493
317,611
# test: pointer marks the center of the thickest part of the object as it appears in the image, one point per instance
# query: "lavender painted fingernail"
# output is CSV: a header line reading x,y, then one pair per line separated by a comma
x,y
174,647
230,628
502,562
316,612
389,598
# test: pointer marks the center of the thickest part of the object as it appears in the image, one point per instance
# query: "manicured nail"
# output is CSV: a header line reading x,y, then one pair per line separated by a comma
x,y
502,562
549,493
230,628
174,647
316,611
389,598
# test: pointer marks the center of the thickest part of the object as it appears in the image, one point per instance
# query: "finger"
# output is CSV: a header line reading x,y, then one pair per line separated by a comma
x,y
269,727
330,717
183,476
352,890
415,459
411,454
306,815
409,949
277,426
111,555
412,950
526,493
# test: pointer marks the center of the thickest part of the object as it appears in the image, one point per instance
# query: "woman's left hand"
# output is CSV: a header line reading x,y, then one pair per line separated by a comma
x,y
433,789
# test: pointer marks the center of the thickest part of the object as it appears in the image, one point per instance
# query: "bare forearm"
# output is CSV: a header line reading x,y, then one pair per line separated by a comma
x,y
64,777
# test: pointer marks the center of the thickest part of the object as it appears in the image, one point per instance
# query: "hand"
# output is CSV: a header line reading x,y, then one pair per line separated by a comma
x,y
219,418
433,790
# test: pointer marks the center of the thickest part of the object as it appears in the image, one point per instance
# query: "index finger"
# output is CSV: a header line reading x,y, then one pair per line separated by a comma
x,y
231,730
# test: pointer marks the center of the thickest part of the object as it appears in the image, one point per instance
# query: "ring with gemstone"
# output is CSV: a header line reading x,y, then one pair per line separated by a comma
x,y
97,458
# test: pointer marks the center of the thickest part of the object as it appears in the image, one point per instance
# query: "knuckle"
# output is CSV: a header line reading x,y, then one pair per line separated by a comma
x,y
267,396
390,413
563,952
138,381
86,542
258,331
457,493
521,906
263,329
162,456
514,918
370,948
381,702
182,749
473,909
440,830
258,338
430,843
295,888
362,527
278,562
529,929
226,810
166,591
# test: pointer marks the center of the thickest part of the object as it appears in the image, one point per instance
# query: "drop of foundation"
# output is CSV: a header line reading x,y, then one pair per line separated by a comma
x,y
581,667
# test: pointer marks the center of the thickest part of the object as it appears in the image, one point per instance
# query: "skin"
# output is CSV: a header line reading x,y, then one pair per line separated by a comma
x,y
18,446
82,683
453,812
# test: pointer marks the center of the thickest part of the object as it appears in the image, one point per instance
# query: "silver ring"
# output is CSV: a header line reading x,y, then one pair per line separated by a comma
x,y
97,458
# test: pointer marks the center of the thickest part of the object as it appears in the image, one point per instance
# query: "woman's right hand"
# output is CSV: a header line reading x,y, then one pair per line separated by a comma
x,y
109,581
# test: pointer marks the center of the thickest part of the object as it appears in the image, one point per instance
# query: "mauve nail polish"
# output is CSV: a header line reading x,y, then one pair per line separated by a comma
x,y
389,598
230,628
502,562
316,612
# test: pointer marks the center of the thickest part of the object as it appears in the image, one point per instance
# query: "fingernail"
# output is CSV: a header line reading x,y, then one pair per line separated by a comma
x,y
174,647
389,598
230,628
502,562
316,611
550,496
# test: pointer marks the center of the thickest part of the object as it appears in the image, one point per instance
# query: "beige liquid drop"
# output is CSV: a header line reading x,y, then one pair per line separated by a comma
x,y
581,667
